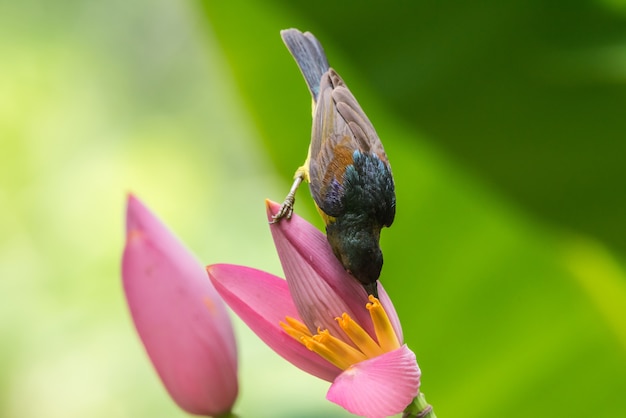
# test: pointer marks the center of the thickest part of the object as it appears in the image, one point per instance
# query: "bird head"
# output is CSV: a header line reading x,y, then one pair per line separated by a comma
x,y
358,251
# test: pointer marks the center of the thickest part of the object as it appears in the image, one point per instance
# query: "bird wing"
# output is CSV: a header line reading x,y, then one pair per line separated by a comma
x,y
340,127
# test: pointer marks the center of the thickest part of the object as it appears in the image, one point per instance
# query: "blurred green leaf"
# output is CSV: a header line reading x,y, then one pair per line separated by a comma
x,y
528,94
506,314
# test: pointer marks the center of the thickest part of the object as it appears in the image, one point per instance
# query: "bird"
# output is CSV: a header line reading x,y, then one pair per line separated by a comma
x,y
348,172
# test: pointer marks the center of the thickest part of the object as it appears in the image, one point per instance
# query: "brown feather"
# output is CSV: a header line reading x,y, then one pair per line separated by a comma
x,y
341,158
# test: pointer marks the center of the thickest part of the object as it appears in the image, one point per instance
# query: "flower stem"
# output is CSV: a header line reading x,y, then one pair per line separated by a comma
x,y
419,408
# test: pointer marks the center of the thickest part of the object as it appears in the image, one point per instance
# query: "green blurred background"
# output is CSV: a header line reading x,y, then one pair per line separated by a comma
x,y
505,123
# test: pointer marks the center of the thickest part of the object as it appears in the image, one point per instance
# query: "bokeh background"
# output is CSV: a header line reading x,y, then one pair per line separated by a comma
x,y
505,123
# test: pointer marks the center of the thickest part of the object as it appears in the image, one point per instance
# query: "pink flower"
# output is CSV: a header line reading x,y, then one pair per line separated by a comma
x,y
179,316
321,320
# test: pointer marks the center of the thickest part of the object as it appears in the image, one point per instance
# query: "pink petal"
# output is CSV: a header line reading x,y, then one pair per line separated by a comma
x,y
320,287
179,316
378,387
262,300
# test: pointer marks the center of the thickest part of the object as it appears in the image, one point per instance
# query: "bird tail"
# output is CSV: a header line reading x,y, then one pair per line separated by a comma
x,y
309,55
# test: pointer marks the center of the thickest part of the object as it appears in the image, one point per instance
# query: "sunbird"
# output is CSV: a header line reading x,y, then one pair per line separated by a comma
x,y
346,167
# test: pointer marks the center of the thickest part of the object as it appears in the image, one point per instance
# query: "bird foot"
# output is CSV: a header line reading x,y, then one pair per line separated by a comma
x,y
285,211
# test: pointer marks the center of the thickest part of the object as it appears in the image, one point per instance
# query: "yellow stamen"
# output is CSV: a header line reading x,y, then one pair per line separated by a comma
x,y
359,337
387,338
340,349
340,352
295,328
325,352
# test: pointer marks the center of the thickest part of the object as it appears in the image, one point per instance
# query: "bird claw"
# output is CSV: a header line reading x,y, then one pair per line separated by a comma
x,y
285,211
